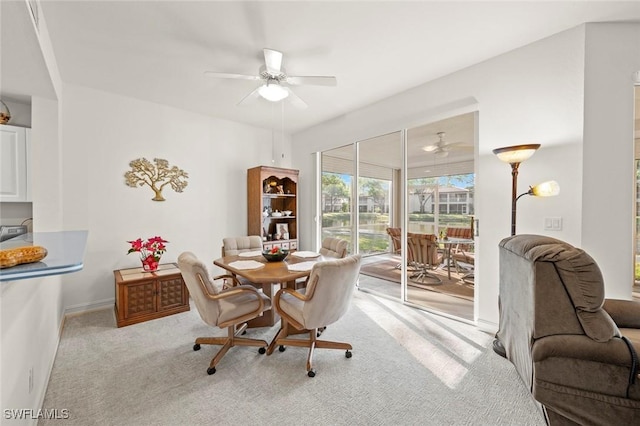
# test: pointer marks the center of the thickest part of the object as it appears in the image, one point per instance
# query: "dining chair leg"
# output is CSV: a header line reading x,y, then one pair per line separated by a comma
x,y
281,334
272,344
227,343
211,340
312,344
223,350
244,341
240,330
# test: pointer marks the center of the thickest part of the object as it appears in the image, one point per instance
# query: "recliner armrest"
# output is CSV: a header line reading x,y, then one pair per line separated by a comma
x,y
580,363
625,313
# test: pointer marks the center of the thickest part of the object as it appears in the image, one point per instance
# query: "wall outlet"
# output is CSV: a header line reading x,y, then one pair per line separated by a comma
x,y
30,379
553,224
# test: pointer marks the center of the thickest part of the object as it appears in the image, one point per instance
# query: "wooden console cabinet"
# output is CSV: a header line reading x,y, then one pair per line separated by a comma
x,y
270,192
142,296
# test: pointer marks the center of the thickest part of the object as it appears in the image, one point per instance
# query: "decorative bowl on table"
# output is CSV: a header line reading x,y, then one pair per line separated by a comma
x,y
276,214
275,254
287,212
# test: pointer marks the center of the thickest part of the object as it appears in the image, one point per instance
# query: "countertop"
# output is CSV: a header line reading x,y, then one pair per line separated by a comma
x,y
65,254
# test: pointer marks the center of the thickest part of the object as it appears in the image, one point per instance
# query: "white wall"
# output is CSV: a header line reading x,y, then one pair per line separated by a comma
x,y
532,94
32,310
31,317
46,166
101,134
612,56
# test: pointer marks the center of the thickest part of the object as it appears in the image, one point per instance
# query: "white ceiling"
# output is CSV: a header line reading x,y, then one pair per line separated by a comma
x,y
158,50
23,72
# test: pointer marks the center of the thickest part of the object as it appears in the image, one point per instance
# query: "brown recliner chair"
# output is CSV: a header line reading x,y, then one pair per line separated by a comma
x,y
566,348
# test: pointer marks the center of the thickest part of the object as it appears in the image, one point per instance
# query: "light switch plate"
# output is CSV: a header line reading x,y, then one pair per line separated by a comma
x,y
553,223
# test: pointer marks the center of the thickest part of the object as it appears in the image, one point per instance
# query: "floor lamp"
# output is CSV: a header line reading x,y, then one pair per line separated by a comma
x,y
514,155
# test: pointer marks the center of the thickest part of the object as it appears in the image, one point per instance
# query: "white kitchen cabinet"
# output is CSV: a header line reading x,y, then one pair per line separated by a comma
x,y
14,163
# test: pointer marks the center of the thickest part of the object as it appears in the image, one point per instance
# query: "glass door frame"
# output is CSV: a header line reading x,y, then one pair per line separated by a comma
x,y
403,209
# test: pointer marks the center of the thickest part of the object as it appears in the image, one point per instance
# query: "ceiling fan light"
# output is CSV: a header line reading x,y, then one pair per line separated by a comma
x,y
273,92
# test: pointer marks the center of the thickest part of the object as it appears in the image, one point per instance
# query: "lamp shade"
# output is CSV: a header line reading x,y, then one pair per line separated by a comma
x,y
273,92
517,153
546,189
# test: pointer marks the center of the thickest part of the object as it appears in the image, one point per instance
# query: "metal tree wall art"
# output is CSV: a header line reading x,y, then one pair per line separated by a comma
x,y
157,176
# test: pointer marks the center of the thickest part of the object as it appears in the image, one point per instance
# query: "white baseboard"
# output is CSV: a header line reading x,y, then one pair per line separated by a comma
x,y
487,326
87,307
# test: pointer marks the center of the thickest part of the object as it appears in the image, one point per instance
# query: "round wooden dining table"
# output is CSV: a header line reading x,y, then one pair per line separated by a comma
x,y
271,276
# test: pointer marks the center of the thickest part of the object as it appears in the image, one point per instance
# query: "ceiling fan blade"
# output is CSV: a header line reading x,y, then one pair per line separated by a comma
x,y
312,80
273,61
295,100
457,145
233,76
250,98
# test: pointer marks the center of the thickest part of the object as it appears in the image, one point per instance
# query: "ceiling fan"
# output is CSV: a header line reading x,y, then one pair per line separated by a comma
x,y
275,81
442,149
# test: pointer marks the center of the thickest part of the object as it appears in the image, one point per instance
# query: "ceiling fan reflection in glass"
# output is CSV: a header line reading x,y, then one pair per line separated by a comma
x,y
441,149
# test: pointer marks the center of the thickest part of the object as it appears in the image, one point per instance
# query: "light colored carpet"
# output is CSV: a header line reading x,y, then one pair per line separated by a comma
x,y
408,367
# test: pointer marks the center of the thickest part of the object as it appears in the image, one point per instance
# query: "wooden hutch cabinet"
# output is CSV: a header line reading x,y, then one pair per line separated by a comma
x,y
272,191
142,296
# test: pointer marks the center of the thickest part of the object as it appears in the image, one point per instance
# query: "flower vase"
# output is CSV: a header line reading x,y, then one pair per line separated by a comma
x,y
150,263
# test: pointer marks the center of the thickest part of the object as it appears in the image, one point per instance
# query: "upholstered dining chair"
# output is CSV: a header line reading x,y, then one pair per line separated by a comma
x,y
236,245
324,301
334,247
423,256
220,306
331,247
232,246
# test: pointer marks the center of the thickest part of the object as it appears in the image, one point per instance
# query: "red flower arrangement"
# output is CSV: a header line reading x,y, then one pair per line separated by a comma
x,y
150,251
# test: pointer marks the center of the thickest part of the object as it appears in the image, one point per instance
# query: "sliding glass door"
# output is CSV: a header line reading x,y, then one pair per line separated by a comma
x,y
439,190
379,203
394,195
379,165
336,187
